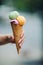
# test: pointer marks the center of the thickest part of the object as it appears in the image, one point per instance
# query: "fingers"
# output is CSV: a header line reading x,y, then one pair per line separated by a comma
x,y
20,44
10,39
21,41
22,34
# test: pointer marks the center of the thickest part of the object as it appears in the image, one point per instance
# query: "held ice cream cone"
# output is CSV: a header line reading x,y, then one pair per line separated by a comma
x,y
17,23
17,30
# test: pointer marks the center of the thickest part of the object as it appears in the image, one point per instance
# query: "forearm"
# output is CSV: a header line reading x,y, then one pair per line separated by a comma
x,y
6,39
3,40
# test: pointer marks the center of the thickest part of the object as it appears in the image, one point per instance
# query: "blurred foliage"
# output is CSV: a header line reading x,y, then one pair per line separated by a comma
x,y
6,2
28,5
25,5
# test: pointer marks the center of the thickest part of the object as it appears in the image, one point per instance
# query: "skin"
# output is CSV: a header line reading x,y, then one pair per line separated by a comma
x,y
10,39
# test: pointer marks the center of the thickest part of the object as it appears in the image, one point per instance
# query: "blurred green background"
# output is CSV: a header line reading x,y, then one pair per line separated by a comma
x,y
32,49
25,5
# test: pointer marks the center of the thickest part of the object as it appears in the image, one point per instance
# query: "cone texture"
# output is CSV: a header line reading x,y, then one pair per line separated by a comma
x,y
17,30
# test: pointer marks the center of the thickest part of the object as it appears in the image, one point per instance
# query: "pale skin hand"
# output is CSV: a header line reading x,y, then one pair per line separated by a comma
x,y
10,39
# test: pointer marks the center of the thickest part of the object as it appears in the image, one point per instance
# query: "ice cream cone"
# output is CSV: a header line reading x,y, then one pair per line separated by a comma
x,y
17,23
17,30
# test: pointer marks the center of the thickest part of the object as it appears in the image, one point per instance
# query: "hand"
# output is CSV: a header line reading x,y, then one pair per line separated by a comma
x,y
10,39
20,42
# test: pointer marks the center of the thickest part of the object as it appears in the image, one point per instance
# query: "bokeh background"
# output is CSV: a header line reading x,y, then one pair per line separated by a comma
x,y
32,49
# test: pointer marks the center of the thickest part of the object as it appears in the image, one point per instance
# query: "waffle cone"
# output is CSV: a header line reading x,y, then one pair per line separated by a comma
x,y
17,30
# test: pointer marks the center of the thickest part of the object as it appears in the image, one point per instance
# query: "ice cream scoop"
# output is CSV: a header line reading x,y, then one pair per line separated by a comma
x,y
21,20
15,21
13,15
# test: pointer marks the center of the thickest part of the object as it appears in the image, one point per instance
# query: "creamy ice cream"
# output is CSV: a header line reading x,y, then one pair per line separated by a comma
x,y
21,20
15,21
13,15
